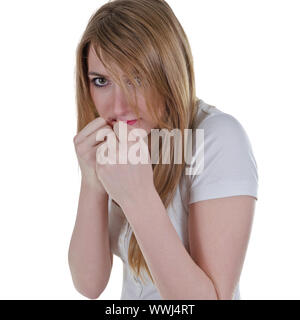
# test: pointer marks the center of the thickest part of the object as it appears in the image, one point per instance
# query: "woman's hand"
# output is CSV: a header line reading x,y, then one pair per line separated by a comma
x,y
86,146
124,182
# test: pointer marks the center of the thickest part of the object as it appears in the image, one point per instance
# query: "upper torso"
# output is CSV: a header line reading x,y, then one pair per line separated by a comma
x,y
120,230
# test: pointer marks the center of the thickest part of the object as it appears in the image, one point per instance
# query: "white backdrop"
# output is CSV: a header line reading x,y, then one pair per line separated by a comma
x,y
247,64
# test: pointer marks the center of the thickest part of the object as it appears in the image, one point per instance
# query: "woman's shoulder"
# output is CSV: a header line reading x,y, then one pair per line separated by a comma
x,y
219,126
222,161
210,115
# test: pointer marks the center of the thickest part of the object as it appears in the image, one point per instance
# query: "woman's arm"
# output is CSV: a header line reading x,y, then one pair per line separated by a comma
x,y
90,258
218,234
175,274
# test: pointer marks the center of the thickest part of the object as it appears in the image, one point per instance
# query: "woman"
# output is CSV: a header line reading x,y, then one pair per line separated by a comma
x,y
180,236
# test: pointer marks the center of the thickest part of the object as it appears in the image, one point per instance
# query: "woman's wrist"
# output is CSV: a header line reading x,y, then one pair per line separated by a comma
x,y
140,199
94,185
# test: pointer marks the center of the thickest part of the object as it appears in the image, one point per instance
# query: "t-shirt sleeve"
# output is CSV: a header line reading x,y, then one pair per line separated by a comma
x,y
227,165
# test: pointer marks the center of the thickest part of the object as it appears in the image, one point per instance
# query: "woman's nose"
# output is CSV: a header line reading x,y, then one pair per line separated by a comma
x,y
120,105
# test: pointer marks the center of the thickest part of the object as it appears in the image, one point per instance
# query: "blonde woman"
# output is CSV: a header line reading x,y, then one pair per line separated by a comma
x,y
179,236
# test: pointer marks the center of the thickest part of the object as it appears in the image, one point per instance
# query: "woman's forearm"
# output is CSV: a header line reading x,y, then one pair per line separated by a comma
x,y
175,273
89,251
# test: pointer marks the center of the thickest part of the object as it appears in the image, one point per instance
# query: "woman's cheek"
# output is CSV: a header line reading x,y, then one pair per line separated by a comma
x,y
96,98
92,92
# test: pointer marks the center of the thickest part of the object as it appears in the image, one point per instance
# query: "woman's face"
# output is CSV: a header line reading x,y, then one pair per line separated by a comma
x,y
108,98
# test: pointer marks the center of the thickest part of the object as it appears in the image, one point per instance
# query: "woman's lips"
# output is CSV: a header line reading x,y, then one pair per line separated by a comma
x,y
132,122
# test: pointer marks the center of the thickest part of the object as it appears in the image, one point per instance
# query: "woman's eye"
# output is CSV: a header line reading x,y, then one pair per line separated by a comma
x,y
137,81
99,83
102,82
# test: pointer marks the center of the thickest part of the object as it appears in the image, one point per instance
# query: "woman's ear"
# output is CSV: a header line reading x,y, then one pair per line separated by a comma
x,y
96,113
164,112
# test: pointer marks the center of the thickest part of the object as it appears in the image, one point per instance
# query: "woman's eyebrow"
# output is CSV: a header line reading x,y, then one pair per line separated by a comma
x,y
92,73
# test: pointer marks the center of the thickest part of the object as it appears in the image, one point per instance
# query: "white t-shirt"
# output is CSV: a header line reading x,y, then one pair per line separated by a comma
x,y
229,169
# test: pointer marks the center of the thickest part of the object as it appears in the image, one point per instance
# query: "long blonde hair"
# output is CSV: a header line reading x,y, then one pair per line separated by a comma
x,y
144,39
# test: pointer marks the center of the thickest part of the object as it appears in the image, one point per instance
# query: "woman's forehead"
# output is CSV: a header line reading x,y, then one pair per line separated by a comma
x,y
96,65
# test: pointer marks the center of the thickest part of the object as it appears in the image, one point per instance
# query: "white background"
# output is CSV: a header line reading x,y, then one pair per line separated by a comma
x,y
246,56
